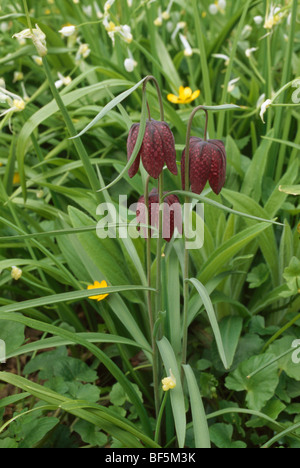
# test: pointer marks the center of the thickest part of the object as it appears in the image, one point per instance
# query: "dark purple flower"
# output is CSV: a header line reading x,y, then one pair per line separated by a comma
x,y
172,215
158,148
207,163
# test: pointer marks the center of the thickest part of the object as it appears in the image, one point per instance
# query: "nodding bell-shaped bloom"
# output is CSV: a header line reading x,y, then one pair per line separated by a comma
x,y
158,148
172,214
207,161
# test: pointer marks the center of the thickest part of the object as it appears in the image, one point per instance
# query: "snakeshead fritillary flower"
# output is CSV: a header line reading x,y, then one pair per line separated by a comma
x,y
158,148
172,216
207,160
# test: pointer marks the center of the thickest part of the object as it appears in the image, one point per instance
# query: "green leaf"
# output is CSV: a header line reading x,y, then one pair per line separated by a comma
x,y
100,416
212,318
261,387
258,276
230,330
176,394
12,334
201,433
113,103
290,189
56,342
223,254
108,363
8,443
90,434
221,436
58,363
292,276
285,363
66,297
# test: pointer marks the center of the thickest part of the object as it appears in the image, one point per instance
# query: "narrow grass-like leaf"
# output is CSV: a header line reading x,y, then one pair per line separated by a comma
x,y
67,297
113,103
176,394
200,426
212,318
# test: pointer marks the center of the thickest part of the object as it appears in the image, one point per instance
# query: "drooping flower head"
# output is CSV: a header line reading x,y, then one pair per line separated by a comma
x,y
172,216
158,148
207,162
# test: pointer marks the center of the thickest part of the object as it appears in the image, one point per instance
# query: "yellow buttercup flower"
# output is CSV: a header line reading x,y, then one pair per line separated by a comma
x,y
16,178
168,383
98,285
186,95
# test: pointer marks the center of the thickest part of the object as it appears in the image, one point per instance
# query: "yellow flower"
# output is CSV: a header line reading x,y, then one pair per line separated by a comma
x,y
98,285
16,178
168,383
186,95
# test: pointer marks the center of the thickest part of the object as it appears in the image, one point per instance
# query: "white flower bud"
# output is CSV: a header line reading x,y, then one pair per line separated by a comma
x,y
16,273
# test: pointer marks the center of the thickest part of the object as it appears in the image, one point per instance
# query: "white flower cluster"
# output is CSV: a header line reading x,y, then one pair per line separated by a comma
x,y
123,30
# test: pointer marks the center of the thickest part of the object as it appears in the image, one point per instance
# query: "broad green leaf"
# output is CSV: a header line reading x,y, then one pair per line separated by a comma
x,y
90,434
286,363
221,436
13,335
261,387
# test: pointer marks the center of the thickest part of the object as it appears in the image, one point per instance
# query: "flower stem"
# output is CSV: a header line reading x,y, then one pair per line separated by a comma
x,y
27,15
149,302
158,304
159,417
160,100
186,226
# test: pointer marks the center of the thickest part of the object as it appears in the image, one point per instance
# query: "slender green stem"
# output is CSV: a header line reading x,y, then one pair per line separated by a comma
x,y
153,318
159,417
159,247
27,15
200,34
280,332
160,100
186,228
94,182
149,300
